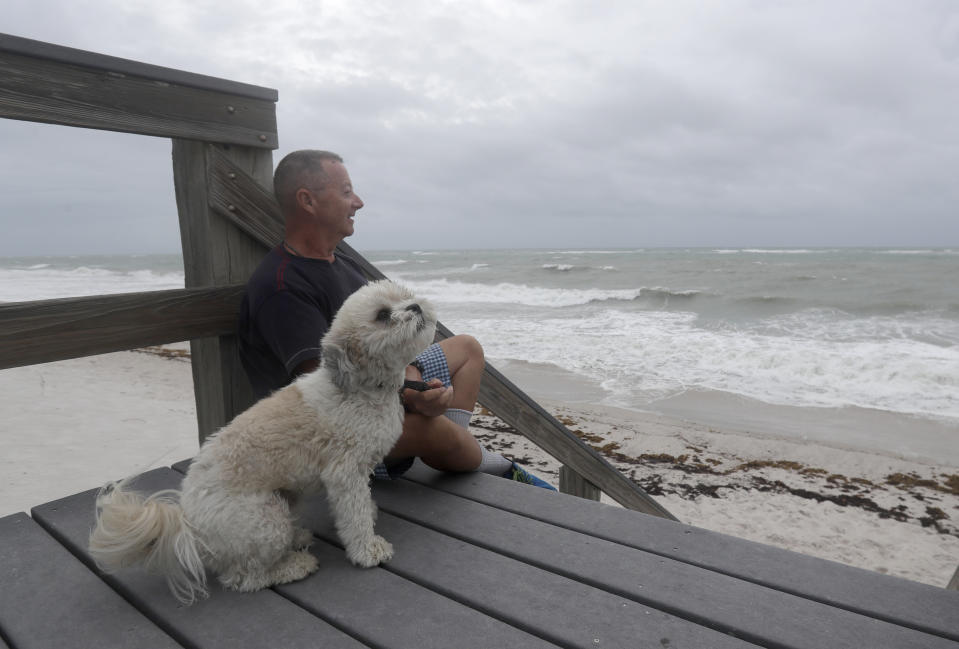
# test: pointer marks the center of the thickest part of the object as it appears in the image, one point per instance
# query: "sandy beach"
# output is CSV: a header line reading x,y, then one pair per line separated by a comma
x,y
73,425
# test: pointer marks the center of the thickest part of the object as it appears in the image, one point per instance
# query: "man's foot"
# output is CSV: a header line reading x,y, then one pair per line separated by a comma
x,y
519,474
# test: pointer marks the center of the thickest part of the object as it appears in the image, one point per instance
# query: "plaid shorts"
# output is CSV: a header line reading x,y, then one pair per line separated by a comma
x,y
433,362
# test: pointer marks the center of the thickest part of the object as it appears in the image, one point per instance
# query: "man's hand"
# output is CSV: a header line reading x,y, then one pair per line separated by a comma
x,y
432,403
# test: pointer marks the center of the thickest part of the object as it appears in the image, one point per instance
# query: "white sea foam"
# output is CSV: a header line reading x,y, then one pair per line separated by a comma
x,y
44,282
445,292
594,252
643,356
781,251
390,262
560,267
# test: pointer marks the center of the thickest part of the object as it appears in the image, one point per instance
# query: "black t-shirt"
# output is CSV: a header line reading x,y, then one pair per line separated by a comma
x,y
289,304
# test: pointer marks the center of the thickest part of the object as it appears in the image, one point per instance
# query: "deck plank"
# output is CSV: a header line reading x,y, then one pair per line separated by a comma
x,y
224,620
899,601
545,604
479,561
759,614
373,606
49,599
384,609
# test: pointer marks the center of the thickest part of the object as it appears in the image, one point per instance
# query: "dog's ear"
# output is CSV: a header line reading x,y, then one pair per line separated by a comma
x,y
338,365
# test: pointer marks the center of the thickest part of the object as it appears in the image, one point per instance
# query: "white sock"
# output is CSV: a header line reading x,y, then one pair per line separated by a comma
x,y
459,417
493,463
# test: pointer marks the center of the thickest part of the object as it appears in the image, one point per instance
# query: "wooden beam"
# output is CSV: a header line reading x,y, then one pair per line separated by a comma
x,y
574,484
51,330
215,252
70,92
251,207
237,197
61,54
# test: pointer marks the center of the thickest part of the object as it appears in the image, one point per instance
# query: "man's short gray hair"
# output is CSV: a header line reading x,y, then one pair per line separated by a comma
x,y
302,168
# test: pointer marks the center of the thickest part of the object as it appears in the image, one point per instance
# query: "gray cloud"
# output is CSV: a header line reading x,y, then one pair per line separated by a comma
x,y
506,124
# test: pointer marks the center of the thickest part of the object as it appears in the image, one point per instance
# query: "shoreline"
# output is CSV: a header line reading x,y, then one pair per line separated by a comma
x,y
931,440
76,424
869,510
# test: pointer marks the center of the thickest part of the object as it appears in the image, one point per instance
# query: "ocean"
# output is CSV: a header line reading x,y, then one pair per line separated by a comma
x,y
852,347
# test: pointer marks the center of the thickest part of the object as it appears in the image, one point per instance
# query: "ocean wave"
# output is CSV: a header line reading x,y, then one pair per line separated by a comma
x,y
773,251
596,252
918,251
444,291
18,285
666,293
647,355
390,262
781,251
836,326
766,299
565,268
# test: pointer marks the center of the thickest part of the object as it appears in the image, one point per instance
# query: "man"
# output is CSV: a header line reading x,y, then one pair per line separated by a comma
x,y
294,294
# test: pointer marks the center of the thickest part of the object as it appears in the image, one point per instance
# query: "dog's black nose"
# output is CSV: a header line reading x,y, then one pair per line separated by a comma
x,y
415,308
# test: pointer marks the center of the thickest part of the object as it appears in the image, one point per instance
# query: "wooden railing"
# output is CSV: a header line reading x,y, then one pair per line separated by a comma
x,y
223,133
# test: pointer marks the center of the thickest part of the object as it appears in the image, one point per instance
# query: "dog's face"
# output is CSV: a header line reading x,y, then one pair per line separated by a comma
x,y
376,333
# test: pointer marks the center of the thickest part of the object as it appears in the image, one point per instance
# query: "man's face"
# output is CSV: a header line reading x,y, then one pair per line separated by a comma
x,y
335,205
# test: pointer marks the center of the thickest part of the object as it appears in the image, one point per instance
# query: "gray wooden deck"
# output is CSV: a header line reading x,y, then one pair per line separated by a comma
x,y
480,562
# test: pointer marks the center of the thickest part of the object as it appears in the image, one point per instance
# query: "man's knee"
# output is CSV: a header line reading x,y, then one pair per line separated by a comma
x,y
462,349
473,348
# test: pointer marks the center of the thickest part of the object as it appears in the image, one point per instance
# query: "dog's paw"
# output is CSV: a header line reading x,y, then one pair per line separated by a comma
x,y
377,551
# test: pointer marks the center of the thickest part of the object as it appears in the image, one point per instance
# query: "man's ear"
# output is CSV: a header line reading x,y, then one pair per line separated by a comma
x,y
304,199
338,365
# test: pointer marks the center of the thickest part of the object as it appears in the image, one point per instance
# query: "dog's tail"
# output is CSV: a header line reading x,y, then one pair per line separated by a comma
x,y
149,532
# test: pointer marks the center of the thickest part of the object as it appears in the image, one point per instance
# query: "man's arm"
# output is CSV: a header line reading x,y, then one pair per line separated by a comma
x,y
292,327
305,367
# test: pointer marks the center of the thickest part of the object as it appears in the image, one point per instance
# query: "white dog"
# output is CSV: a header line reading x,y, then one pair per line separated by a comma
x,y
329,428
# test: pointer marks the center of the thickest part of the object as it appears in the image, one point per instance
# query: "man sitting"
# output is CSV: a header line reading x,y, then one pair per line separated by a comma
x,y
294,294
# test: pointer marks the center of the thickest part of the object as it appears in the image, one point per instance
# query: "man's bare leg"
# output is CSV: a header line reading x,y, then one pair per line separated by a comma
x,y
445,443
438,441
466,361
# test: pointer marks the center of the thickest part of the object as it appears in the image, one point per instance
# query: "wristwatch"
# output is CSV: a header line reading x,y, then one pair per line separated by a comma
x,y
402,389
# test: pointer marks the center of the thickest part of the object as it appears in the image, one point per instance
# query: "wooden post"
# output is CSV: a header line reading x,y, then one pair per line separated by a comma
x,y
216,253
574,484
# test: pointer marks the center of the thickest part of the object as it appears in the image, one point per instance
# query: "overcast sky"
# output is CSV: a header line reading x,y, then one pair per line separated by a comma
x,y
496,123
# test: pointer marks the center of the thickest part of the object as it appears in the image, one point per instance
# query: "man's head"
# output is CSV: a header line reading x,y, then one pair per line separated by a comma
x,y
314,189
301,169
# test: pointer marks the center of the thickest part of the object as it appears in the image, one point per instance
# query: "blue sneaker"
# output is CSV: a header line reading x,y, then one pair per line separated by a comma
x,y
519,474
